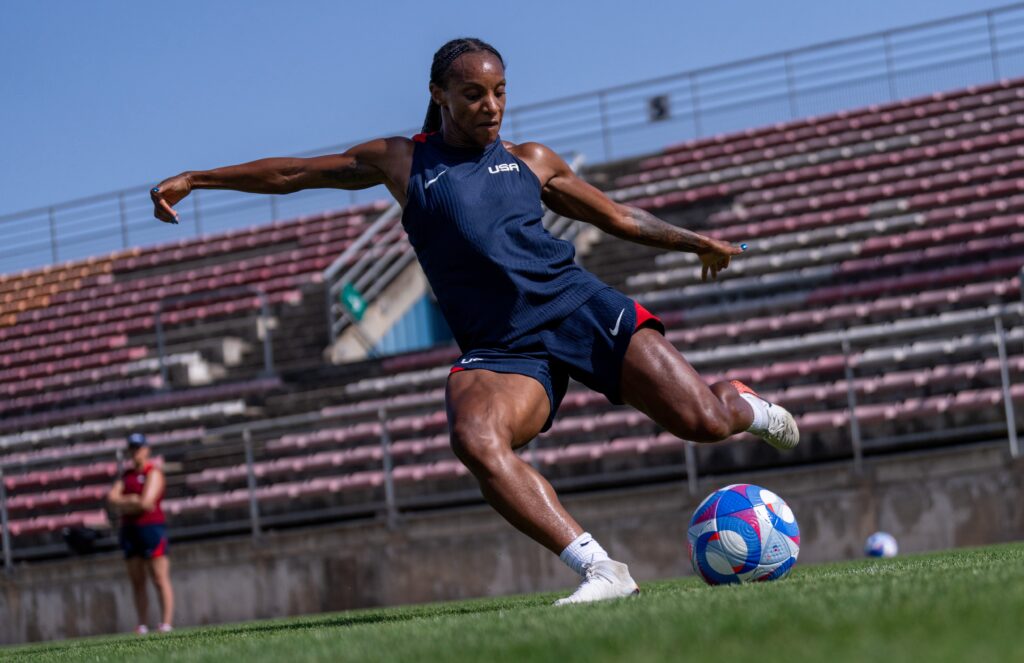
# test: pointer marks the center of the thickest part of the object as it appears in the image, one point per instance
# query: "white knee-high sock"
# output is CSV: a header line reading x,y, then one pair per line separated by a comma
x,y
760,408
582,552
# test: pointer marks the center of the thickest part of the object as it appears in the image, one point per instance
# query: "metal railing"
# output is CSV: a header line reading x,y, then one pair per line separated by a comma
x,y
264,328
351,283
238,444
615,122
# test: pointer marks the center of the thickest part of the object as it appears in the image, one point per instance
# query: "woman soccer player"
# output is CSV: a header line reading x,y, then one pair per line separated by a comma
x,y
137,495
524,314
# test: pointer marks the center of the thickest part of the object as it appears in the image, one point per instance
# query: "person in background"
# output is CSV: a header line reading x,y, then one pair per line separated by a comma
x,y
136,496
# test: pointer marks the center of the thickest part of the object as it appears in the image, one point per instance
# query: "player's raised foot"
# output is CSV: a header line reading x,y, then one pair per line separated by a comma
x,y
604,580
778,427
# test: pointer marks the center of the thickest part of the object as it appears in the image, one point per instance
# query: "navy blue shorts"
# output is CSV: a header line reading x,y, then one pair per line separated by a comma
x,y
588,346
146,541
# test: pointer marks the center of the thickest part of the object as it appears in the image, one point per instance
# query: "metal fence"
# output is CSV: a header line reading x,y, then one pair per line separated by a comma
x,y
236,444
612,123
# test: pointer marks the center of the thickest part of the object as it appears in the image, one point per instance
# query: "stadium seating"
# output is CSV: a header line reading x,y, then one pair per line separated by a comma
x,y
897,230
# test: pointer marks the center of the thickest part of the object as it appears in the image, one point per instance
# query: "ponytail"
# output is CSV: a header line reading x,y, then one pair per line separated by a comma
x,y
443,59
432,122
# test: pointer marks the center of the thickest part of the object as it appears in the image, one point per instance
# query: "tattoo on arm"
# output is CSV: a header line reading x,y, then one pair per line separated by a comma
x,y
645,228
343,174
353,175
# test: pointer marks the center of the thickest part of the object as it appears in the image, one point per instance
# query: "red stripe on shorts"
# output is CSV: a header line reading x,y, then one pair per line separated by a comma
x,y
643,316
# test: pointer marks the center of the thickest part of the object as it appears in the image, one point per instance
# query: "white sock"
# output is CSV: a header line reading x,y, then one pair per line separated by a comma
x,y
583,552
760,408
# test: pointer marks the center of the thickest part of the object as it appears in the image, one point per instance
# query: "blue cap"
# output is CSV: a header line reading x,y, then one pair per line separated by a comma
x,y
137,440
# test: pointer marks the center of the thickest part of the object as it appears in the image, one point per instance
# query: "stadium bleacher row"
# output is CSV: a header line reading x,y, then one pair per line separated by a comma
x,y
898,229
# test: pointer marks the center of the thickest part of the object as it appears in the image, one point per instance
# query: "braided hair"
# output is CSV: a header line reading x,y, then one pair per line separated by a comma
x,y
443,60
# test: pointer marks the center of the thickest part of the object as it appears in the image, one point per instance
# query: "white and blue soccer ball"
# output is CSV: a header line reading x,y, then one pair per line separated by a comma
x,y
881,544
743,533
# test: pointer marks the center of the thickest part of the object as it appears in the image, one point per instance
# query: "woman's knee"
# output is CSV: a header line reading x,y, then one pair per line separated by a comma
x,y
477,443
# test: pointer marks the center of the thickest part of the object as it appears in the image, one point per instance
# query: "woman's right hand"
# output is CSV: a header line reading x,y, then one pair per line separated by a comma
x,y
167,194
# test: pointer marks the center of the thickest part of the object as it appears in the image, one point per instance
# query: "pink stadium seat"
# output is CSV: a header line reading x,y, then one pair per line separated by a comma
x,y
57,498
947,126
871,116
141,403
43,524
802,321
19,483
94,449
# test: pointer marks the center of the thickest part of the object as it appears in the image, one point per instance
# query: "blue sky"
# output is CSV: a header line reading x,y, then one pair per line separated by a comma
x,y
97,96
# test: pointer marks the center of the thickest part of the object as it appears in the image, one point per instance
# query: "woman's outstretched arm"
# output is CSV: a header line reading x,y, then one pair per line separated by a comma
x,y
360,167
570,196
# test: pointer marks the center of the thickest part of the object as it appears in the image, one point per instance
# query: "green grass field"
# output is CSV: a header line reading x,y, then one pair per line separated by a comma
x,y
965,605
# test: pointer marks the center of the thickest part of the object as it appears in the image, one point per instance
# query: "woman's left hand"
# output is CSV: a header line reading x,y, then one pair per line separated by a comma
x,y
716,258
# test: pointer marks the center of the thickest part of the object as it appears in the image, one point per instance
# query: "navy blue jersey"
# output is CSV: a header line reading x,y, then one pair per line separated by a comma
x,y
474,218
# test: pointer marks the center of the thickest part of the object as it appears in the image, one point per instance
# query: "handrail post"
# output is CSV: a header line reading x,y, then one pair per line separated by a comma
x,y
606,139
1004,375
268,346
509,124
250,474
123,213
992,46
532,458
160,346
695,104
53,233
887,48
389,479
332,335
5,533
790,89
196,211
851,403
691,466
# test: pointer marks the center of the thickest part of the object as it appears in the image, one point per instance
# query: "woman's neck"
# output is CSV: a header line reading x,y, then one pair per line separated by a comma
x,y
454,138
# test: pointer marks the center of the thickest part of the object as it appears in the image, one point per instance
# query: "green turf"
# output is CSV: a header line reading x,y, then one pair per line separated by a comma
x,y
965,605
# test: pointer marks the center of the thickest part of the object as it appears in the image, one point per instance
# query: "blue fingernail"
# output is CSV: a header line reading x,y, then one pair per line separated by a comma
x,y
743,247
155,189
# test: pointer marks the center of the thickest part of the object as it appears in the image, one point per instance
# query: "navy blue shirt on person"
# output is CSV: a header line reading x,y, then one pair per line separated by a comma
x,y
474,218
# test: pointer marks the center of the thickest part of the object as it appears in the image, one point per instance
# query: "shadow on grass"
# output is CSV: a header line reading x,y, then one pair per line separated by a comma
x,y
389,615
395,615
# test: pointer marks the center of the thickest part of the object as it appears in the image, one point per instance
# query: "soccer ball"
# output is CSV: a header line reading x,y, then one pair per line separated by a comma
x,y
881,544
743,533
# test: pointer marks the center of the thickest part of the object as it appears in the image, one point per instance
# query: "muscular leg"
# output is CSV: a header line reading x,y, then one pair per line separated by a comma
x,y
659,382
137,575
490,415
160,572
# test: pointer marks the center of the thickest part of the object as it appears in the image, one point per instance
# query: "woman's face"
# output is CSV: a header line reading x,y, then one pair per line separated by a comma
x,y
473,100
139,455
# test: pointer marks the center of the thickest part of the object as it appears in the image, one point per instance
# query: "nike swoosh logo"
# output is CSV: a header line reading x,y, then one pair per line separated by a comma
x,y
429,182
615,330
471,360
